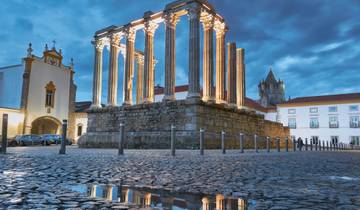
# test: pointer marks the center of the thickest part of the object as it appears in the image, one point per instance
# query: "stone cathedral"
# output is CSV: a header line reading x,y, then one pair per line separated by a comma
x,y
213,107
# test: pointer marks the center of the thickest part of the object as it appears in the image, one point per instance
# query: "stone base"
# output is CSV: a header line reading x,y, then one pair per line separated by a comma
x,y
148,125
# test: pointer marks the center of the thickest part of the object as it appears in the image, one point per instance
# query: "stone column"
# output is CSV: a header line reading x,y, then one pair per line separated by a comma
x,y
240,78
148,85
231,74
129,65
220,30
194,52
170,22
97,79
208,63
139,79
113,70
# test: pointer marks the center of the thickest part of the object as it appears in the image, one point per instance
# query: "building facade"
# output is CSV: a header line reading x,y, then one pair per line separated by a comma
x,y
332,118
38,94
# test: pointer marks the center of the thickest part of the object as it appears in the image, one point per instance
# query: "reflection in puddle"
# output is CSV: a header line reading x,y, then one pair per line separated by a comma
x,y
160,198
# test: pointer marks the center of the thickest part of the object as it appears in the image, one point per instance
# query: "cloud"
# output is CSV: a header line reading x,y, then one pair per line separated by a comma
x,y
289,61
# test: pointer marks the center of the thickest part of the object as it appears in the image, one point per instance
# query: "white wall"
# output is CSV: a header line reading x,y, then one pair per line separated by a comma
x,y
15,121
41,74
10,86
80,119
303,116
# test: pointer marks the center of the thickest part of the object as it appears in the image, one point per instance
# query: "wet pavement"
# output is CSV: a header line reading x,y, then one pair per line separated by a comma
x,y
39,178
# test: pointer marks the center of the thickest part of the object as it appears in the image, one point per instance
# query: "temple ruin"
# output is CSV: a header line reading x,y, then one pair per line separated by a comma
x,y
210,107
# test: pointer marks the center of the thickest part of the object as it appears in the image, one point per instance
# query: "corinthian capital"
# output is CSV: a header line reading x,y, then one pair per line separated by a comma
x,y
150,27
98,44
171,19
207,20
220,28
114,40
130,33
194,12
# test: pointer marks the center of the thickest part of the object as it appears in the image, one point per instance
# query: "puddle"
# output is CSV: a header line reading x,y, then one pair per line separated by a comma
x,y
13,173
344,178
142,198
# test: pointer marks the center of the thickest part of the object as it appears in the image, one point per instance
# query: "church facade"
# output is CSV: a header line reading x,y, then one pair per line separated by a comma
x,y
38,94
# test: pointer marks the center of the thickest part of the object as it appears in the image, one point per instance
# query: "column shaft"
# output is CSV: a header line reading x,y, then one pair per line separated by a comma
x,y
139,79
208,59
220,62
148,83
113,71
231,73
97,78
129,66
240,78
194,53
170,20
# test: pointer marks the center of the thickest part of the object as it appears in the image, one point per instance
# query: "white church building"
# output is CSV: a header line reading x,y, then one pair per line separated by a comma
x,y
38,94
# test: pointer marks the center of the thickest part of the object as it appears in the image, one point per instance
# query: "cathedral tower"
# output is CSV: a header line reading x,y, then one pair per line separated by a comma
x,y
271,91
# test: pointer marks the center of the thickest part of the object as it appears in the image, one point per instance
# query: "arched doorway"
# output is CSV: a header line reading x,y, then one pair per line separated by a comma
x,y
45,125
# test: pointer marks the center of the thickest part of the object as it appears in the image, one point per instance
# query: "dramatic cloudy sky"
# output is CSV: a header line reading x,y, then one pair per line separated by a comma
x,y
313,45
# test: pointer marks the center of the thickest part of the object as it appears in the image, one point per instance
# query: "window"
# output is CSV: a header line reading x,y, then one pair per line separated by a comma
x,y
354,122
79,130
292,123
291,111
334,139
314,122
333,122
314,139
355,140
353,108
50,94
332,108
314,110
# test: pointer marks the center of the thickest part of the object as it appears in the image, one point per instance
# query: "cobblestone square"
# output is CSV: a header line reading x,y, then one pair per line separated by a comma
x,y
36,177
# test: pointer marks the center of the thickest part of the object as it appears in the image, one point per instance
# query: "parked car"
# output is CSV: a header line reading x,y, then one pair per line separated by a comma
x,y
12,142
68,141
51,138
29,140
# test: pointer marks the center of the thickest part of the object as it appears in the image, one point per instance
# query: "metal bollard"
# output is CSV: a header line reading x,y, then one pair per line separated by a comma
x,y
121,139
242,136
63,141
316,146
278,144
324,145
255,143
202,141
268,144
286,144
223,142
4,133
294,145
172,140
327,145
331,146
306,144
319,145
311,145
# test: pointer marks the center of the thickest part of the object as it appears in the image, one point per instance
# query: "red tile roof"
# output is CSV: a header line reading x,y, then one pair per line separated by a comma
x,y
324,98
248,101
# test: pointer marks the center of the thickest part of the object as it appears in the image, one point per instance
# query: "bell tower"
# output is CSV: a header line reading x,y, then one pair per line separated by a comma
x,y
271,91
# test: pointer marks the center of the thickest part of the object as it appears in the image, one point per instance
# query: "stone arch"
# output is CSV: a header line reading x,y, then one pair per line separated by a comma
x,y
46,125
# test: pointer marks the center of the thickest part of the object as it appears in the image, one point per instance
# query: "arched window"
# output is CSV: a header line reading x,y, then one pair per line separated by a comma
x,y
50,95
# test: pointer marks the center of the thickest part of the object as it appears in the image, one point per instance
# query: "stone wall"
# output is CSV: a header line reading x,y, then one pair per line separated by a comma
x,y
148,125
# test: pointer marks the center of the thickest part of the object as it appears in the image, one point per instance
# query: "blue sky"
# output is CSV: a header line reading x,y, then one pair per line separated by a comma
x,y
313,45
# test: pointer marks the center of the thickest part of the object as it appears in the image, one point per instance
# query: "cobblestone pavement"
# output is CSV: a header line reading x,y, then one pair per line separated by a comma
x,y
34,177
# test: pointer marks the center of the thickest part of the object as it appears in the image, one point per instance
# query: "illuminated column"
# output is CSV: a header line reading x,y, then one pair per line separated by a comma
x,y
129,65
148,84
97,79
220,202
208,63
139,78
170,22
220,30
194,52
113,70
231,74
240,78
